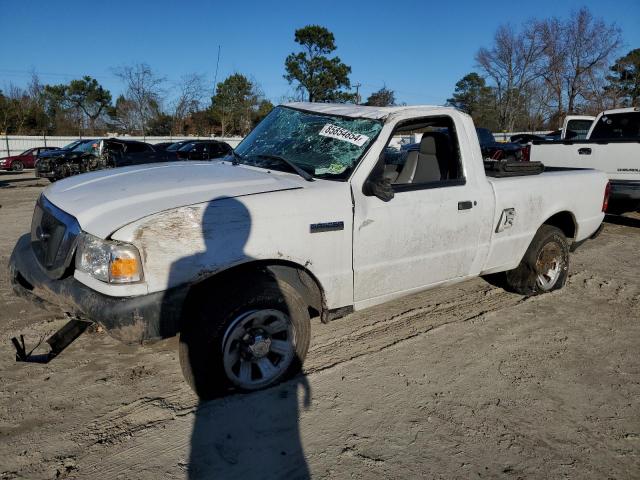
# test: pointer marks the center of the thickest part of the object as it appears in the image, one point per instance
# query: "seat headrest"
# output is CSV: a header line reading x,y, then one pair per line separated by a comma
x,y
431,142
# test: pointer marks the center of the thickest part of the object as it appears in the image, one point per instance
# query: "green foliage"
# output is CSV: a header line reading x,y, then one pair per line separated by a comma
x,y
236,104
264,108
323,78
160,125
84,100
473,96
625,78
88,96
382,98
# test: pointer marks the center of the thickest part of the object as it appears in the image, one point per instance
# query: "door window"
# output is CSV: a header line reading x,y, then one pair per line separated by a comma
x,y
423,153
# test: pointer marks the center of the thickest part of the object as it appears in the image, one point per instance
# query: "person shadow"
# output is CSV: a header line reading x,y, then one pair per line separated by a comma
x,y
254,435
239,435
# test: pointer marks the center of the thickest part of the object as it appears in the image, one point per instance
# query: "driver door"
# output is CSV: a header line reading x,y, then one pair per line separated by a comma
x,y
429,232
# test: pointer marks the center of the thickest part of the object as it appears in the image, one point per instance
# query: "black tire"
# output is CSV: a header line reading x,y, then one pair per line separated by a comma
x,y
525,279
52,179
210,315
17,166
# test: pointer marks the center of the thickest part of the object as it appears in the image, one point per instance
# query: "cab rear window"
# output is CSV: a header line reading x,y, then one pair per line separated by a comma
x,y
619,125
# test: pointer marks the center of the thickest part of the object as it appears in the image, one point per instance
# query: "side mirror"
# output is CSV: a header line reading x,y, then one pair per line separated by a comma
x,y
377,185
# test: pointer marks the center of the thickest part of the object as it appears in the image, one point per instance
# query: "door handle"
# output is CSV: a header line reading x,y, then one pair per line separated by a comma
x,y
584,151
466,205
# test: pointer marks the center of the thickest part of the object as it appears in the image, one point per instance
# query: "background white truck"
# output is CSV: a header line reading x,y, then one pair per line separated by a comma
x,y
313,216
576,127
612,146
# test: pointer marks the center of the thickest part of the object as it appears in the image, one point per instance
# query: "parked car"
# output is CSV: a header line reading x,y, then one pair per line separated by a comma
x,y
203,150
77,157
493,150
524,138
26,159
301,222
554,135
171,152
162,146
612,146
117,152
93,155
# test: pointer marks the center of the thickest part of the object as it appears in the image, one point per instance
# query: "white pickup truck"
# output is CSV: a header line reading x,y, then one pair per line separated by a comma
x,y
612,146
576,127
314,215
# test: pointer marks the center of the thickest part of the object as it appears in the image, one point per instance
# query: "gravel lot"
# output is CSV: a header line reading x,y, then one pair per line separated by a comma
x,y
461,382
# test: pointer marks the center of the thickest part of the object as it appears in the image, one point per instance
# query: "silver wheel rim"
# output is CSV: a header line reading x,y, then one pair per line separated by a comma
x,y
258,348
549,266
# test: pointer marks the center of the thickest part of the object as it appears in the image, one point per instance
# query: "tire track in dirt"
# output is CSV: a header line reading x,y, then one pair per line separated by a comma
x,y
339,342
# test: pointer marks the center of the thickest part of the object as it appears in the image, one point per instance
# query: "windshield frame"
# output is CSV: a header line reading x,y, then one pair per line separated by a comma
x,y
187,147
337,178
69,146
179,143
81,147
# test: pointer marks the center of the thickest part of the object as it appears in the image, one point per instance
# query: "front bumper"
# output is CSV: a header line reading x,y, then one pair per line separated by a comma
x,y
129,319
41,174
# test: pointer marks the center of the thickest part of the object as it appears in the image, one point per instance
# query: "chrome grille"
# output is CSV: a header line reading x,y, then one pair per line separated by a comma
x,y
53,237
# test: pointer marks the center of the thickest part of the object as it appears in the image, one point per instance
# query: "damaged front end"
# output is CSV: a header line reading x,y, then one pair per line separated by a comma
x,y
57,343
72,163
41,269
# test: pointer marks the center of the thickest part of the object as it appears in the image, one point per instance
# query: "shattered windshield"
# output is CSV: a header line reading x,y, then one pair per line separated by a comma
x,y
325,146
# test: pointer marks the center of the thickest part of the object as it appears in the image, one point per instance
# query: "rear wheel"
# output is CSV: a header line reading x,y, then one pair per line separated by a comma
x,y
545,265
17,166
244,338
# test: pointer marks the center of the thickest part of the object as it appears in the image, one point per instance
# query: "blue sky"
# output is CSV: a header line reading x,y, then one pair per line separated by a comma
x,y
417,48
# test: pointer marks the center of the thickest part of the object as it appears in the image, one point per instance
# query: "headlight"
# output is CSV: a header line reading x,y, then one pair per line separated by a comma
x,y
108,261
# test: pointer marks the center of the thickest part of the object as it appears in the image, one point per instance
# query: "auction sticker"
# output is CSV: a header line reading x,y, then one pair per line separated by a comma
x,y
333,131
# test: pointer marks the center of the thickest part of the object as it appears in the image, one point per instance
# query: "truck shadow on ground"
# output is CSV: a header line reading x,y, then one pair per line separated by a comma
x,y
253,435
623,221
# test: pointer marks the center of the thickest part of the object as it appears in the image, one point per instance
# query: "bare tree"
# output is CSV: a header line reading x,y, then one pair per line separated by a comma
x,y
590,45
144,91
577,54
191,92
554,65
20,101
512,64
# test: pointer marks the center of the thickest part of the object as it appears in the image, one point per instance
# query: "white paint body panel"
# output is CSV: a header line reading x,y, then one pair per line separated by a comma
x,y
191,220
620,160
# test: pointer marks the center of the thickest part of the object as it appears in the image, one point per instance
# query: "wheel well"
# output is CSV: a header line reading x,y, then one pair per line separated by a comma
x,y
565,222
298,277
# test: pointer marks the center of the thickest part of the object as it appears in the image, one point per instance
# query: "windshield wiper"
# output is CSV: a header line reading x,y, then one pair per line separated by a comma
x,y
237,158
306,175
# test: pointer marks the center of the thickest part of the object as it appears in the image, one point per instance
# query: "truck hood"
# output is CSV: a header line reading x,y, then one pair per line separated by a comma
x,y
107,200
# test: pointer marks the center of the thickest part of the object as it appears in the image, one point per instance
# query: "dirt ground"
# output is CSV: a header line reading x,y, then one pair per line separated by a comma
x,y
460,382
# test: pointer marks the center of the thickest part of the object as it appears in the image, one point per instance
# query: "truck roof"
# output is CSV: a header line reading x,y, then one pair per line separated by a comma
x,y
363,111
621,110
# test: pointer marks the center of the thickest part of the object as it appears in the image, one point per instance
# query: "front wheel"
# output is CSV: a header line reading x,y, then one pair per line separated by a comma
x,y
545,265
244,338
17,166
